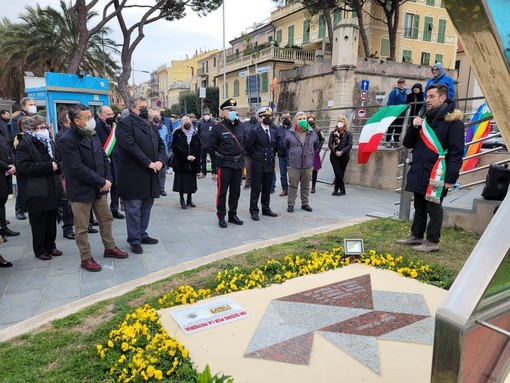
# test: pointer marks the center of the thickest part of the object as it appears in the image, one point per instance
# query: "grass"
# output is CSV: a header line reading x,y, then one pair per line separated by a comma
x,y
65,350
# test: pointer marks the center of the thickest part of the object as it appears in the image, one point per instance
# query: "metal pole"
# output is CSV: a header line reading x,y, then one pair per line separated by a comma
x,y
224,56
404,209
133,72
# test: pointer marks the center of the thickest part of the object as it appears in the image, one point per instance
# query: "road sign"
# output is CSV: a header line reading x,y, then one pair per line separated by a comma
x,y
244,73
263,69
202,92
365,84
363,95
361,112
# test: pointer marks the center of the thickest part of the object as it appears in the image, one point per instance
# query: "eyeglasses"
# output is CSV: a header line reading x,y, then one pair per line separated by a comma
x,y
435,69
302,119
44,127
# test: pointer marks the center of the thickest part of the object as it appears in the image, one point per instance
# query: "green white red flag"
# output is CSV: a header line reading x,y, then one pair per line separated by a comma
x,y
374,130
110,142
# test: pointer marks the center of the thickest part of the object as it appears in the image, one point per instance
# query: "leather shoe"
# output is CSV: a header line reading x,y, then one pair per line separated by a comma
x,y
163,193
93,222
283,193
6,232
20,215
115,253
312,191
137,248
290,209
117,215
255,217
54,252
90,265
270,213
306,207
4,263
92,230
235,219
149,241
222,223
43,256
341,193
70,235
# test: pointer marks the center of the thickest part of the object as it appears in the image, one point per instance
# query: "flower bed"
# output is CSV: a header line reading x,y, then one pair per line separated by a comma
x,y
140,350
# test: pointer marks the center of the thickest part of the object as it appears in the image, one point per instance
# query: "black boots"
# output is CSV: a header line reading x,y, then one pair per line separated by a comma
x,y
183,204
6,232
189,201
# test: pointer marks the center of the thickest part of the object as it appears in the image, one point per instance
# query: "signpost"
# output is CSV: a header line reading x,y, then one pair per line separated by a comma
x,y
263,69
365,84
244,73
361,112
363,95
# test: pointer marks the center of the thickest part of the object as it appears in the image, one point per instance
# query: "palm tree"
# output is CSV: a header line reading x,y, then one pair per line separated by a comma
x,y
44,42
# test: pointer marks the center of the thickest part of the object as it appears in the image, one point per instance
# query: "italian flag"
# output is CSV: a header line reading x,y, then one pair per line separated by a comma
x,y
110,142
374,130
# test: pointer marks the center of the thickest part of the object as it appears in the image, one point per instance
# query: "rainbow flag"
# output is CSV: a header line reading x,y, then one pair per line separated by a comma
x,y
474,133
374,130
110,142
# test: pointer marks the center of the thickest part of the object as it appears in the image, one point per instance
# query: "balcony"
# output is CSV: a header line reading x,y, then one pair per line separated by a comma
x,y
201,72
289,55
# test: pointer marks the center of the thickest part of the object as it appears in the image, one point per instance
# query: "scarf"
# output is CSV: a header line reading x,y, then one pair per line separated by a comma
x,y
189,134
46,142
437,175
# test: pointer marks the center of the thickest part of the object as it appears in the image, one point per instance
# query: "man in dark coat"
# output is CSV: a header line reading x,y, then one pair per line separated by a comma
x,y
88,180
227,143
248,126
438,146
5,126
104,128
142,156
204,128
261,147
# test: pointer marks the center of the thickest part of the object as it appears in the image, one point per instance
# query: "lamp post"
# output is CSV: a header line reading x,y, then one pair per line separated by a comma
x,y
134,70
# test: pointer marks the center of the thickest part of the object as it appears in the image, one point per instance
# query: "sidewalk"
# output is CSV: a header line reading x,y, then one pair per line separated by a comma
x,y
33,287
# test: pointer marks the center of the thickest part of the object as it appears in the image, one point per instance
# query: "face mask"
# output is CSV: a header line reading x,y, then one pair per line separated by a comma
x,y
91,124
303,124
32,109
267,121
187,126
156,120
110,120
43,133
232,115
340,124
311,123
286,121
144,113
253,120
206,117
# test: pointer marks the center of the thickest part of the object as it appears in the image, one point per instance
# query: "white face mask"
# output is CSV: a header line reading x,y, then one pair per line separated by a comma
x,y
340,124
206,117
91,124
32,109
43,133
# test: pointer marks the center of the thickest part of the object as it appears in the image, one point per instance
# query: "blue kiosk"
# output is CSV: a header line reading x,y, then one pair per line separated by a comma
x,y
57,91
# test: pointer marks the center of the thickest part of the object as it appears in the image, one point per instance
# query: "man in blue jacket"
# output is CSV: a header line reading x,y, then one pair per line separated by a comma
x,y
88,180
440,77
398,96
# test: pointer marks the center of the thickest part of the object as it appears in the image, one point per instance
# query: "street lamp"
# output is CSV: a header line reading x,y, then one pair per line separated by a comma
x,y
134,70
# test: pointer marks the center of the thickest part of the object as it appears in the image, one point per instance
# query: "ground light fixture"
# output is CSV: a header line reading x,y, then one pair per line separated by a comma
x,y
353,247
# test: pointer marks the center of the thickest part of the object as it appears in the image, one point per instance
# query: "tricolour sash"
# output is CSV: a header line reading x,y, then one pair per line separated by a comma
x,y
437,175
110,142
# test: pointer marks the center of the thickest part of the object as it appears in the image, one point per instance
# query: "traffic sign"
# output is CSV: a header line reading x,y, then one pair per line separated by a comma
x,y
244,73
202,92
365,84
263,69
363,95
361,112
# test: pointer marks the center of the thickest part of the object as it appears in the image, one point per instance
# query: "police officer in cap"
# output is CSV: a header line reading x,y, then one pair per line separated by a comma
x,y
226,142
261,145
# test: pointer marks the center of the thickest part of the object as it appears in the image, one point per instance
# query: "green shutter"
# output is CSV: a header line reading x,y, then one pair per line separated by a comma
x,y
427,28
439,58
425,58
236,88
279,36
431,2
407,56
385,47
290,39
306,31
416,26
322,26
337,16
263,80
441,31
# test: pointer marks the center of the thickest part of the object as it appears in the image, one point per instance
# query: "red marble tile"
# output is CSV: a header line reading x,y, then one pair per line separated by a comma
x,y
375,323
296,350
354,292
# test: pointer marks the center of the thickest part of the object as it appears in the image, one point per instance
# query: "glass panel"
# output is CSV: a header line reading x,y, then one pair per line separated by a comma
x,y
425,58
236,88
501,14
408,25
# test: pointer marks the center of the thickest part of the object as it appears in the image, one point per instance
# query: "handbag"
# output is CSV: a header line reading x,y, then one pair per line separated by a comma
x,y
171,160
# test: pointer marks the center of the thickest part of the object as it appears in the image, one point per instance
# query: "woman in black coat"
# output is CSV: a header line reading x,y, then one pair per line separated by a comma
x,y
340,144
39,184
7,169
186,149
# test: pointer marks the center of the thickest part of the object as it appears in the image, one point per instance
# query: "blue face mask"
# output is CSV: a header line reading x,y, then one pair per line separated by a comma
x,y
232,115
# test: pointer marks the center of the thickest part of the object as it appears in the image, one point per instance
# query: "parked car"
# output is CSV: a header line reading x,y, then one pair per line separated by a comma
x,y
494,142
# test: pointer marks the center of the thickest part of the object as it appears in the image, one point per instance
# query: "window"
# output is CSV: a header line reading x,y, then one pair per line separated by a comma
x,y
430,2
385,47
237,52
263,80
427,28
236,88
416,27
337,16
290,39
306,31
354,14
442,4
322,27
439,58
409,25
279,36
425,58
214,62
206,66
270,39
441,31
407,56
457,65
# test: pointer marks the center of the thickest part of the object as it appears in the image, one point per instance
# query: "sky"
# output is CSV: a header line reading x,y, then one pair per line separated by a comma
x,y
172,40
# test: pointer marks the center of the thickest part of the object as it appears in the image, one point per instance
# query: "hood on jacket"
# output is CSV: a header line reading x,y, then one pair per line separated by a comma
x,y
417,85
439,66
